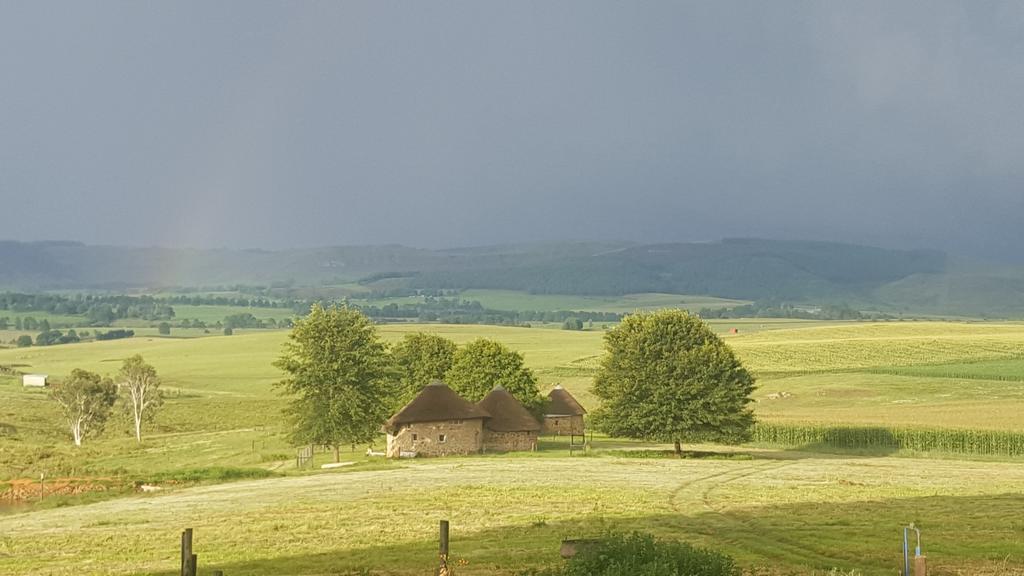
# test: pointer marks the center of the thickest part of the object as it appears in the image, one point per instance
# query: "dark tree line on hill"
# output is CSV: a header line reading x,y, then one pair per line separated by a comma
x,y
456,311
100,310
51,337
206,300
737,268
103,310
777,310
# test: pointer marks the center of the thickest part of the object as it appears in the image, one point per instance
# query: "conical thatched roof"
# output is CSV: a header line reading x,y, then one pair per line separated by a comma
x,y
563,404
436,402
507,413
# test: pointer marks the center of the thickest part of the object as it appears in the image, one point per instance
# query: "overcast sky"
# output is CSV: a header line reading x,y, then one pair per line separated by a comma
x,y
261,124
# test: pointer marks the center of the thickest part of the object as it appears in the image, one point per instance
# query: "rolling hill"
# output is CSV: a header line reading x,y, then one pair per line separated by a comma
x,y
798,272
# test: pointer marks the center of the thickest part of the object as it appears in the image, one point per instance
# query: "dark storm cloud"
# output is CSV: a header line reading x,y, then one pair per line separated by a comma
x,y
458,123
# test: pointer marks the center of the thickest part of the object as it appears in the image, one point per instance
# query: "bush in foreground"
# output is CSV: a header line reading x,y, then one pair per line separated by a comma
x,y
639,554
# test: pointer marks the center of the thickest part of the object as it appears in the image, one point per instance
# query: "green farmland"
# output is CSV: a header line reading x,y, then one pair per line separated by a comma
x,y
513,300
793,509
785,512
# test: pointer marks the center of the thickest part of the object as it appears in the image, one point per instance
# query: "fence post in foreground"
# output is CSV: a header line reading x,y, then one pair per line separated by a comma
x,y
442,569
186,553
919,566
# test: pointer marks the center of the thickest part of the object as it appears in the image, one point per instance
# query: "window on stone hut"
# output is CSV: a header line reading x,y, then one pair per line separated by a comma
x,y
415,437
442,438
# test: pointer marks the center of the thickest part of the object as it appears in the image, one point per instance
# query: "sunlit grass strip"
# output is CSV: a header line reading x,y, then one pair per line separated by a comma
x,y
948,440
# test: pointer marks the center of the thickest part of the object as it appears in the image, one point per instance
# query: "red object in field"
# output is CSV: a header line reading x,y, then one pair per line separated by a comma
x,y
734,330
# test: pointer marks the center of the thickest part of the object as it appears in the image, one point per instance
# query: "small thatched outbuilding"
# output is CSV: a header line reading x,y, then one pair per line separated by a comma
x,y
511,427
437,422
564,415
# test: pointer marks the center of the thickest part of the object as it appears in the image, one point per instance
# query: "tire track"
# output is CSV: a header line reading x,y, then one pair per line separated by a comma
x,y
716,522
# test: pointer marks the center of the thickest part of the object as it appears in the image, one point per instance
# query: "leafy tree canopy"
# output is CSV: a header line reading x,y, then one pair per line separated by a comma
x,y
420,359
85,400
142,385
483,364
338,373
667,377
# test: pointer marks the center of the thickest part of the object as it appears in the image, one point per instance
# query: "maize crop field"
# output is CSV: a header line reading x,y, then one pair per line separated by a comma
x,y
880,438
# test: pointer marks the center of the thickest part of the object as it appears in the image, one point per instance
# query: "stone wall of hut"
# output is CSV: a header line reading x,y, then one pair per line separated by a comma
x,y
437,438
509,441
563,425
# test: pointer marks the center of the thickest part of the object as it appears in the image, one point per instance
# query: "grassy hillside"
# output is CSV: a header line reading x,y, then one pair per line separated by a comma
x,y
815,273
518,300
794,510
742,269
786,512
221,395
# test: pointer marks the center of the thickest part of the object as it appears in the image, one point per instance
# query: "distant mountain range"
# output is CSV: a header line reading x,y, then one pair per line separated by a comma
x,y
919,281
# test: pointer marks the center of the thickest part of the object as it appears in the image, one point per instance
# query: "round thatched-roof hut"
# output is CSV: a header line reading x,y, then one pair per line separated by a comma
x,y
564,414
511,427
437,422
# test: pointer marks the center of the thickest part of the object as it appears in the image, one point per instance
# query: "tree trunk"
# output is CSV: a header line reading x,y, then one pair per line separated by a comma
x,y
337,453
679,449
138,426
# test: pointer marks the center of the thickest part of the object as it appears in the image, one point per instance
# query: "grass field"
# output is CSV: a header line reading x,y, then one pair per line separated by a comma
x,y
795,510
222,386
212,314
513,300
878,345
789,513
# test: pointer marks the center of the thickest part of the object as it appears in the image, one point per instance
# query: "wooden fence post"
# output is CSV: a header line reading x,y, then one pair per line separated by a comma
x,y
186,553
920,566
442,569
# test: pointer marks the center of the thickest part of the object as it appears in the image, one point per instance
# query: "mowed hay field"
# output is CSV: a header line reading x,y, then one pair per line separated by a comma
x,y
785,515
793,511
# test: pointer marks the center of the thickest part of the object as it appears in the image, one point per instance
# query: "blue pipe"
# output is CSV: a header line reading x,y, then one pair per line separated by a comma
x,y
906,552
906,547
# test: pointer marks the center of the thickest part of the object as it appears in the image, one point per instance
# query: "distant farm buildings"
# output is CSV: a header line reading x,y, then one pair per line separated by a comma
x,y
35,380
564,415
439,422
511,427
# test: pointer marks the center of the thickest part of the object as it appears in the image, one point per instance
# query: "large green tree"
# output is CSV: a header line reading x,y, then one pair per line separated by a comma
x,y
483,364
338,373
144,397
667,377
420,359
85,400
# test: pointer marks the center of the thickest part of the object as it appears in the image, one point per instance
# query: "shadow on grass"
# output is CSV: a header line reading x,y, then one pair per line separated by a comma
x,y
685,455
961,535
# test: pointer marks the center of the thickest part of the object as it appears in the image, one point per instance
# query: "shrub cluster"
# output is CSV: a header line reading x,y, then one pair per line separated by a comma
x,y
639,554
